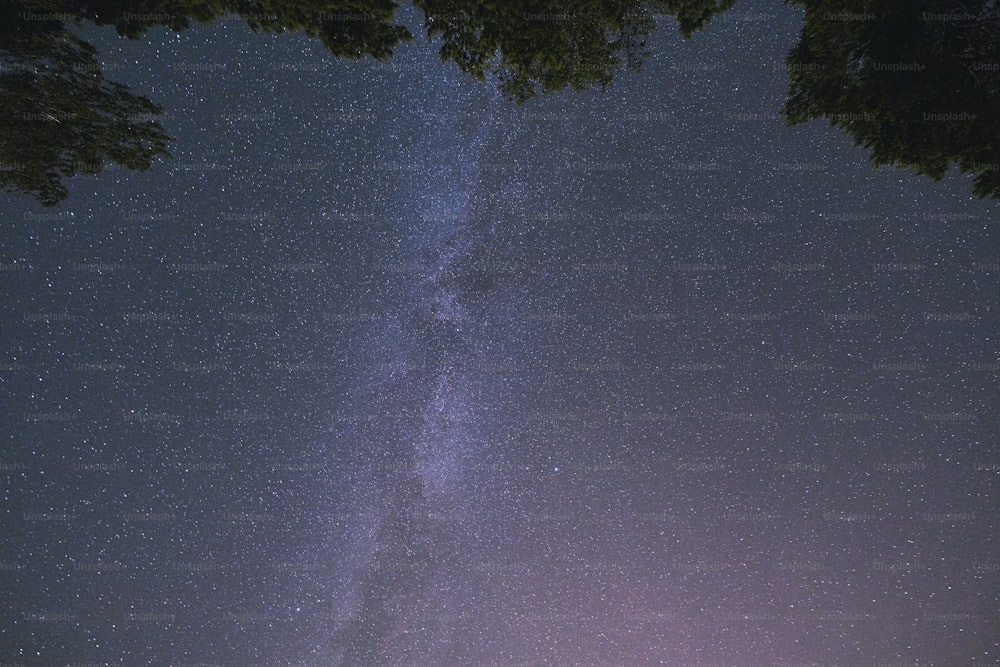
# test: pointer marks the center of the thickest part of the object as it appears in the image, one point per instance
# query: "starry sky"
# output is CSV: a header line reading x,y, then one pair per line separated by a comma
x,y
383,369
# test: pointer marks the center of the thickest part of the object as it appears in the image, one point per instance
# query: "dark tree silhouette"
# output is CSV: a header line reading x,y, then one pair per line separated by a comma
x,y
60,117
691,15
916,83
542,46
545,46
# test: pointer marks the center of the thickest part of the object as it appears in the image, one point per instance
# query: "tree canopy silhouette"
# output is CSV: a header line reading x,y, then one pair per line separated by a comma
x,y
916,83
542,46
60,116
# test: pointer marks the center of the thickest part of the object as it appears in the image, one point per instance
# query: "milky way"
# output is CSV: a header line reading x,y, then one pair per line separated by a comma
x,y
410,538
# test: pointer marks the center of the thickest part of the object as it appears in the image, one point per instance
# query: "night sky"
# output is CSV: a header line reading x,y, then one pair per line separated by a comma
x,y
383,369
